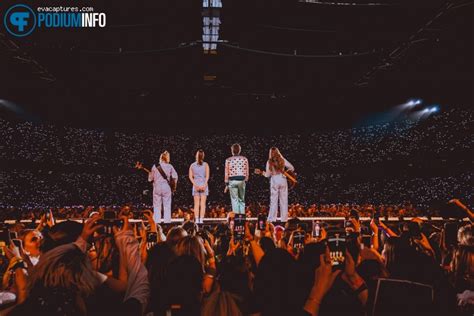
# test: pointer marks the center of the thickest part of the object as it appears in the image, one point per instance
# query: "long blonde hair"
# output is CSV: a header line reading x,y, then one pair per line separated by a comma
x,y
276,160
165,157
192,246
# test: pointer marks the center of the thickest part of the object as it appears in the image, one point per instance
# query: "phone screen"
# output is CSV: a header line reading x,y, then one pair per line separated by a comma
x,y
262,219
109,215
316,229
239,227
337,249
151,237
298,241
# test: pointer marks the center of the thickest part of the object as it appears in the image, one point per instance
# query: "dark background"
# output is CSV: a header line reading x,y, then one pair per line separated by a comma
x,y
95,85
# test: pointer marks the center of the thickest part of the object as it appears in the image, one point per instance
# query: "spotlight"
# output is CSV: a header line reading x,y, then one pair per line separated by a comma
x,y
412,103
434,109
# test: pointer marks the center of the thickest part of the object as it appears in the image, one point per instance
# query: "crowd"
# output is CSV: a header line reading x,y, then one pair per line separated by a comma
x,y
119,266
391,163
220,211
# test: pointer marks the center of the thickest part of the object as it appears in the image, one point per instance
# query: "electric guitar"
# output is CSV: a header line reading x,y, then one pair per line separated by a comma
x,y
171,181
290,176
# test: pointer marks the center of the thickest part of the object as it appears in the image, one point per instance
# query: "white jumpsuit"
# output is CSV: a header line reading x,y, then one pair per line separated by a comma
x,y
162,191
278,192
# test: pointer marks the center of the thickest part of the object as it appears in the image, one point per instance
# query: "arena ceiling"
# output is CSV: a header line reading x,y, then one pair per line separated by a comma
x,y
281,65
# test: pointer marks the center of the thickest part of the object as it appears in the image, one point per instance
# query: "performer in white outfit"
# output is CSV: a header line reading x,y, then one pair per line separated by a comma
x,y
276,165
199,177
161,187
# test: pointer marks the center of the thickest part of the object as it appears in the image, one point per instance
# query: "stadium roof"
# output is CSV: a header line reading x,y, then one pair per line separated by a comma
x,y
276,61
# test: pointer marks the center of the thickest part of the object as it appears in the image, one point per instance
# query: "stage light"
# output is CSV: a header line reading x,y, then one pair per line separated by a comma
x,y
434,109
413,102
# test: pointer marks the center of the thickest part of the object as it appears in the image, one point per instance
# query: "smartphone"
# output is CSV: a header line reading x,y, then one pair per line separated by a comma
x,y
151,237
262,221
18,243
316,229
451,233
5,236
239,227
13,235
203,235
298,241
109,215
337,250
118,223
353,246
141,215
366,241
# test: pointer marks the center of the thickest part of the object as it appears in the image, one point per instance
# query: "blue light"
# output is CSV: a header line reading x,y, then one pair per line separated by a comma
x,y
413,102
434,109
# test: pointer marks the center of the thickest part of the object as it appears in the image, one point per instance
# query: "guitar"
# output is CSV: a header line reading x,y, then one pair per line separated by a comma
x,y
171,181
290,176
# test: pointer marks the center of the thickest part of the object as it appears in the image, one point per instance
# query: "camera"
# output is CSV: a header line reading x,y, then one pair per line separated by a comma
x,y
151,237
108,220
141,215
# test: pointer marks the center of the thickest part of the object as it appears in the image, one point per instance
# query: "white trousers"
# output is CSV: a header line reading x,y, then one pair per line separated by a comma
x,y
162,200
278,193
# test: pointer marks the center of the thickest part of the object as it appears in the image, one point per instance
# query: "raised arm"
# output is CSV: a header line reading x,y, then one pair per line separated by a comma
x,y
267,172
469,213
151,173
289,166
387,230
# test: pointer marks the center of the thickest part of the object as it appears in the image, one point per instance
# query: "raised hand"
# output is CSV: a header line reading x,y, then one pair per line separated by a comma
x,y
374,227
90,227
